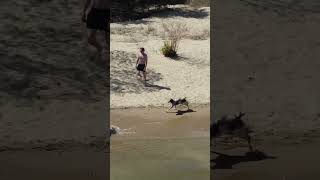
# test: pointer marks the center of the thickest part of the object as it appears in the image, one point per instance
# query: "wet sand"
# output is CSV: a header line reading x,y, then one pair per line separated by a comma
x,y
81,164
160,141
293,161
53,141
158,122
154,144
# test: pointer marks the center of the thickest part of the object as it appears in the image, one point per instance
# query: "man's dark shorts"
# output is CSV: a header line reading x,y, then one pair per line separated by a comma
x,y
141,67
98,19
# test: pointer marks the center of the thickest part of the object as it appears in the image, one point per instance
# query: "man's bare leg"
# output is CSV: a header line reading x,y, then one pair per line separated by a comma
x,y
144,76
92,39
138,74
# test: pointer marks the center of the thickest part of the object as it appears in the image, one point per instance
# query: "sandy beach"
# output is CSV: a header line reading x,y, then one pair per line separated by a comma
x,y
53,104
265,60
188,76
52,86
152,142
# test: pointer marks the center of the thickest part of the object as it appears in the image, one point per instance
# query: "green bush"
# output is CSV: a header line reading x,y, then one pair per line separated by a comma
x,y
168,50
174,32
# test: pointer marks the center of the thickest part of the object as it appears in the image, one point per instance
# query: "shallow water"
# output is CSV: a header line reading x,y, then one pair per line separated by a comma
x,y
163,147
175,159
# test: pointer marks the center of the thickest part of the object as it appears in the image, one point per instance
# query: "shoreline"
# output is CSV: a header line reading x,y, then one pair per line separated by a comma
x,y
156,123
197,105
35,126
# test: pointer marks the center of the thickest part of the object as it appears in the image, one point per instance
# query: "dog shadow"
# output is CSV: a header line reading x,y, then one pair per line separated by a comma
x,y
224,161
182,112
156,86
179,112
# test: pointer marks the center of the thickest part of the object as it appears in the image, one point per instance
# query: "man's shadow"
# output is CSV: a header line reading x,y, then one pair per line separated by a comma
x,y
156,86
224,161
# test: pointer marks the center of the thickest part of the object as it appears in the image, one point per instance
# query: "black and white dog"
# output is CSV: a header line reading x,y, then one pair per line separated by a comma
x,y
113,130
235,127
178,102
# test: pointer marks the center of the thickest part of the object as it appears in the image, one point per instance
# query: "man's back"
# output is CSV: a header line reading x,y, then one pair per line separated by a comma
x,y
101,4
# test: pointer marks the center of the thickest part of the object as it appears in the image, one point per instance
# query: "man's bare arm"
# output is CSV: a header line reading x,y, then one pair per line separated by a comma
x,y
146,62
86,6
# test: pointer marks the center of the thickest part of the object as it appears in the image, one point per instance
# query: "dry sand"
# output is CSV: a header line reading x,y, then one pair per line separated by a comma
x,y
189,76
52,85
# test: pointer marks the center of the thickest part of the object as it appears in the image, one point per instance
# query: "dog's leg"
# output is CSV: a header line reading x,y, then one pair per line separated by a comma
x,y
170,108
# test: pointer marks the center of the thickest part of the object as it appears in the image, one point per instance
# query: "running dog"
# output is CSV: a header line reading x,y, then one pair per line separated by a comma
x,y
114,130
231,127
178,102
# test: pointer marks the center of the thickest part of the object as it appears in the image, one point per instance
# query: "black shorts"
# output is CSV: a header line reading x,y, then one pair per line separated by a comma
x,y
98,19
141,67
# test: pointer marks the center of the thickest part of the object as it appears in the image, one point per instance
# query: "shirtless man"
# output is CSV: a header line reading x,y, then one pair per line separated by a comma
x,y
141,64
96,14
